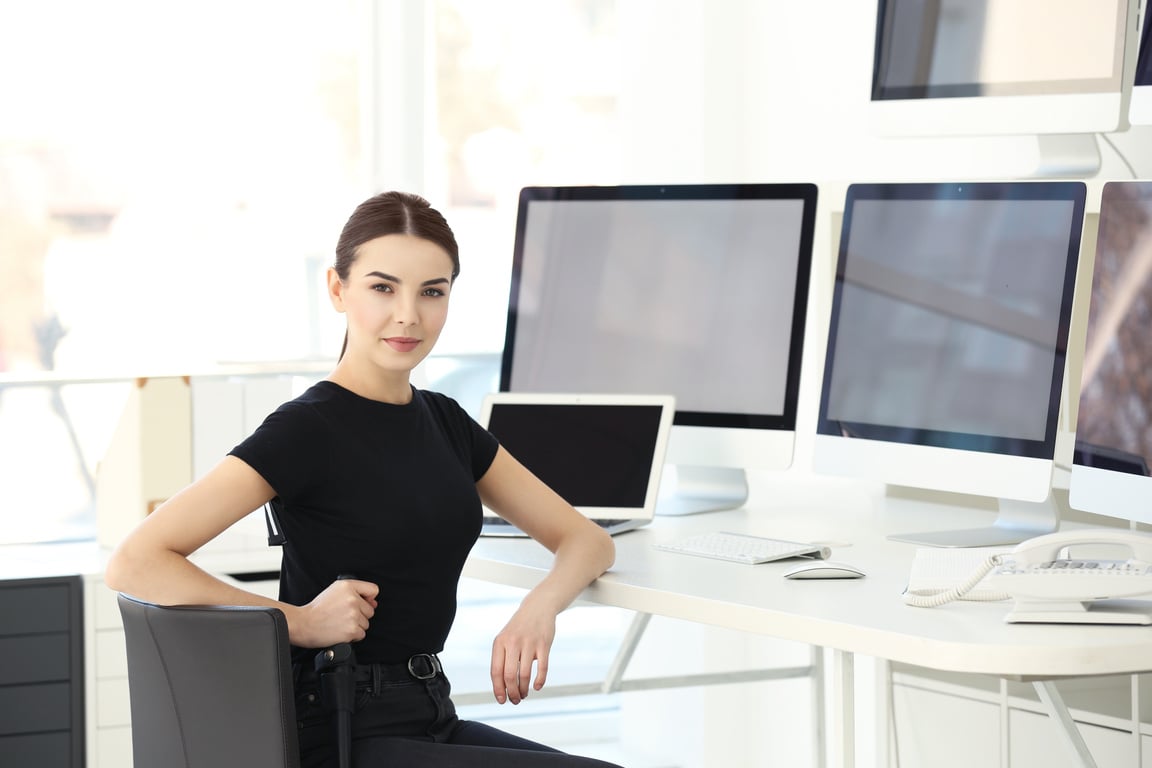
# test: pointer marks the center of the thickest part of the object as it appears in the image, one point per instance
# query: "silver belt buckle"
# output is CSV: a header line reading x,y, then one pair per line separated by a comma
x,y
433,666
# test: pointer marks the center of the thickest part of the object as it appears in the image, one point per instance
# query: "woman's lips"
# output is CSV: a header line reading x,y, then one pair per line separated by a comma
x,y
402,343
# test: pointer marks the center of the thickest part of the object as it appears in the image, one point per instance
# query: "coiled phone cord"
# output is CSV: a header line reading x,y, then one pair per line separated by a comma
x,y
931,598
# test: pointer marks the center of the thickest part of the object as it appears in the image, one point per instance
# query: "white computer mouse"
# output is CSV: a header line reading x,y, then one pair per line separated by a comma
x,y
823,569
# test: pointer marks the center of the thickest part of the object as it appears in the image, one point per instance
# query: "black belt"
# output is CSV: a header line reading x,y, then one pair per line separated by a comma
x,y
421,666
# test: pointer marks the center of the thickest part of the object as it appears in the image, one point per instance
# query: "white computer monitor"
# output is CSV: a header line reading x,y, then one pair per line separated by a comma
x,y
1114,418
695,290
947,344
1057,70
1140,107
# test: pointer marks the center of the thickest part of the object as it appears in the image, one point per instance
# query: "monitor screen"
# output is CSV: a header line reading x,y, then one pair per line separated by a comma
x,y
1114,419
699,291
948,335
993,67
1140,108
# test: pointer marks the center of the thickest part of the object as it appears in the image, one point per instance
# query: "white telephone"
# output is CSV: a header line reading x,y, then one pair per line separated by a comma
x,y
1051,586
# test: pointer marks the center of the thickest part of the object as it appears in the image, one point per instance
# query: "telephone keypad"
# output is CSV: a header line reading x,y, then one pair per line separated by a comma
x,y
1117,567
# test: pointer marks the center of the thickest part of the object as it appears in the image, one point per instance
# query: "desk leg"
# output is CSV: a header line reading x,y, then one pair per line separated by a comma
x,y
843,729
819,706
885,719
1066,727
615,676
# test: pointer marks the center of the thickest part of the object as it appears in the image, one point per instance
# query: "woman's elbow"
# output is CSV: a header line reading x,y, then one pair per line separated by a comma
x,y
606,547
126,568
117,571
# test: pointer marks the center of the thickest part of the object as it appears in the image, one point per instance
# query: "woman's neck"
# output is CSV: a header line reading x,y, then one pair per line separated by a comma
x,y
384,386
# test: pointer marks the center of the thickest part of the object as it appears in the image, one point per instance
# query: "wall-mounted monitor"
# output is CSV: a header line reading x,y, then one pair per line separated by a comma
x,y
697,290
1114,419
947,344
1000,67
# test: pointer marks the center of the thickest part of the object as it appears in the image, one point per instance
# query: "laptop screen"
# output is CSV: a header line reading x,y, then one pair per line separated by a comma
x,y
602,457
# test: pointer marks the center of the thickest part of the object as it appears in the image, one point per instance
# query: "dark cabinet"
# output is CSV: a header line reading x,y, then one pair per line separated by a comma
x,y
42,673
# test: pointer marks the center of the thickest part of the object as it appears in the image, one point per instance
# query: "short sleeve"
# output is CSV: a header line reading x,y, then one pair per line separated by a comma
x,y
286,449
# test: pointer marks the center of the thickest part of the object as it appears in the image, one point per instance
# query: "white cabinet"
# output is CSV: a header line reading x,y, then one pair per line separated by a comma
x,y
945,719
943,726
1033,741
108,713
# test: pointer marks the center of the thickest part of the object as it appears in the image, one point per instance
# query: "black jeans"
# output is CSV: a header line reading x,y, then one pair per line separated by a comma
x,y
412,722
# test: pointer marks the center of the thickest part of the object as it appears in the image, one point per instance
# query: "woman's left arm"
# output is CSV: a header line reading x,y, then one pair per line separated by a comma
x,y
582,552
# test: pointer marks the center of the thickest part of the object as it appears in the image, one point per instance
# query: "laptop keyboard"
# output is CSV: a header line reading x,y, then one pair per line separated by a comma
x,y
498,526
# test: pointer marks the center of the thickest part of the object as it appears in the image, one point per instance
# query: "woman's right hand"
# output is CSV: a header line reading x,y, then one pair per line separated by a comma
x,y
339,614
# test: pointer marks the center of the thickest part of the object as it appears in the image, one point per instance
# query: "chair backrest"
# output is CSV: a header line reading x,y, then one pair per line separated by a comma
x,y
210,686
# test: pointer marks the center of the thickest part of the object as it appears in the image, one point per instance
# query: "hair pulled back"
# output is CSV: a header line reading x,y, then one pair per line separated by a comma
x,y
393,213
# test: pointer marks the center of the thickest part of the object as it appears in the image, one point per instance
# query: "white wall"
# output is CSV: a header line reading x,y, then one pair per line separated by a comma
x,y
769,90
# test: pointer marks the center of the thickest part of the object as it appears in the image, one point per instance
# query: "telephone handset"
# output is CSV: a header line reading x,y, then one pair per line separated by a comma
x,y
1047,549
1053,589
1049,588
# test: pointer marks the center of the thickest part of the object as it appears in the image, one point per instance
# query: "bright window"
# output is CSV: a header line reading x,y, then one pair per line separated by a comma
x,y
527,93
172,181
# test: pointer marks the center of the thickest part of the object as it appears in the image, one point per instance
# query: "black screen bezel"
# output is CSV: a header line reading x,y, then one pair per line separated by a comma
x,y
882,48
1074,192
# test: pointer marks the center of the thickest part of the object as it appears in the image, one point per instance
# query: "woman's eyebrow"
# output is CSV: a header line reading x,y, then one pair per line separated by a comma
x,y
394,279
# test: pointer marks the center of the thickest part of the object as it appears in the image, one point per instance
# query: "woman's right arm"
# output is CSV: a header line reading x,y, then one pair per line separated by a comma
x,y
151,563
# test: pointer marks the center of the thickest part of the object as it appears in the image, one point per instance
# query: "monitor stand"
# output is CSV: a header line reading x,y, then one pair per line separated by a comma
x,y
1067,156
1016,522
697,489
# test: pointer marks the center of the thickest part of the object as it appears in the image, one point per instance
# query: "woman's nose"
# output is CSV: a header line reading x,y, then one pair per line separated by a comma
x,y
404,310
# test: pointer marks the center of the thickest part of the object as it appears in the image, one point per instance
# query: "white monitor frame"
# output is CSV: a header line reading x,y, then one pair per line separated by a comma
x,y
920,448
588,300
1064,110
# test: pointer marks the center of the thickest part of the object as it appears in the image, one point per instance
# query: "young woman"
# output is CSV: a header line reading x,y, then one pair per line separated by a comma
x,y
381,486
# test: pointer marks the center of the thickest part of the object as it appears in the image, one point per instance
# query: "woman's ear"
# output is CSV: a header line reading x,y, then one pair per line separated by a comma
x,y
336,290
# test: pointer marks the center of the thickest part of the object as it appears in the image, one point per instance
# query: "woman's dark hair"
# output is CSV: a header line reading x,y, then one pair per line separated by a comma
x,y
392,213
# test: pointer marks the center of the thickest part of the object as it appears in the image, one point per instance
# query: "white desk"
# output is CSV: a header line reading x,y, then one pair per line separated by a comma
x,y
860,616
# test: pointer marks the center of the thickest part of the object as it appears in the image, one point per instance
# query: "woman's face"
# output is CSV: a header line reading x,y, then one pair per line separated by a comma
x,y
396,300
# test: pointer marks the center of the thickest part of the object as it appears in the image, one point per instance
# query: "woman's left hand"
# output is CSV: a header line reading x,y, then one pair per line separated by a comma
x,y
526,639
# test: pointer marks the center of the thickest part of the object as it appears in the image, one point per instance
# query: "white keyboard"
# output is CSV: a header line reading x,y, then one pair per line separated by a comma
x,y
742,547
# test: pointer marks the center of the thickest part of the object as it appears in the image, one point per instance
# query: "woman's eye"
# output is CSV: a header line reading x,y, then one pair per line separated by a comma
x,y
433,292
382,288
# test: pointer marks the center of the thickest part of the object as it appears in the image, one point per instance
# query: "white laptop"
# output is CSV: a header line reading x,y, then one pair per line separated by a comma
x,y
603,453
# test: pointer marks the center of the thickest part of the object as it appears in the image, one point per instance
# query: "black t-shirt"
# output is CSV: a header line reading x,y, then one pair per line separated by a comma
x,y
384,492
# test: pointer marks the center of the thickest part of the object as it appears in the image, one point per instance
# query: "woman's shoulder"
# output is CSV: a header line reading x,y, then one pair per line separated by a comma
x,y
445,409
319,395
308,410
435,399
441,404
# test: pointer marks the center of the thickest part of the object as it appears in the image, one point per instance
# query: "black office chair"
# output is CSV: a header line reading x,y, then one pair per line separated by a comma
x,y
210,686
